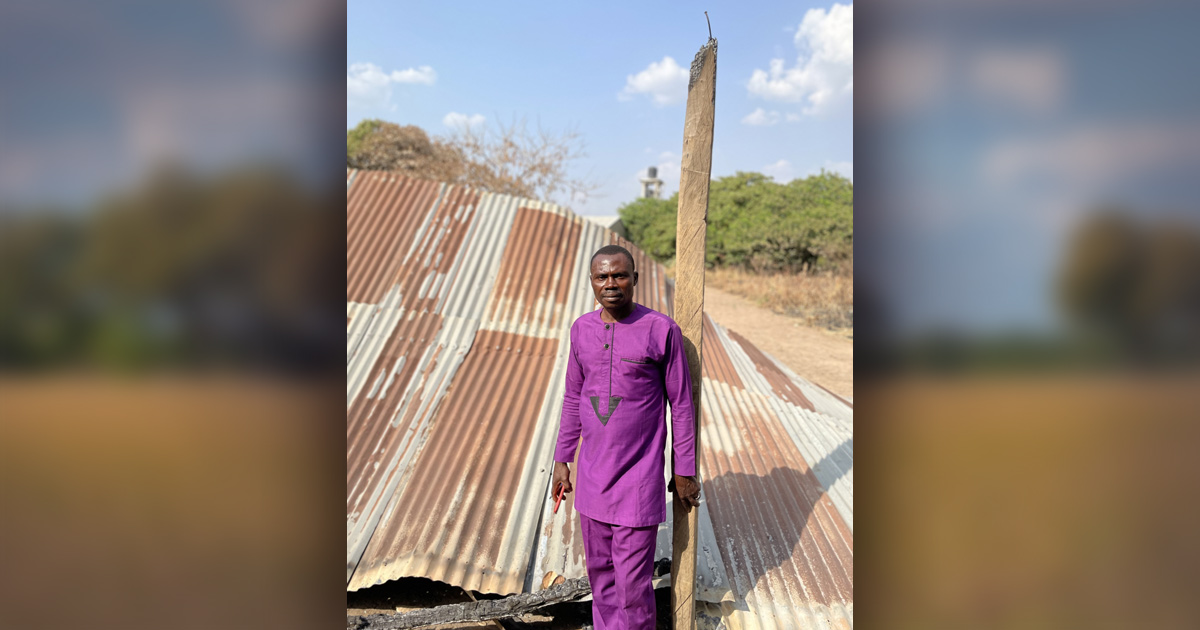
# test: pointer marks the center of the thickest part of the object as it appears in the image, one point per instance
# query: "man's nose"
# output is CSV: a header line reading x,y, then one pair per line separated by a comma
x,y
610,282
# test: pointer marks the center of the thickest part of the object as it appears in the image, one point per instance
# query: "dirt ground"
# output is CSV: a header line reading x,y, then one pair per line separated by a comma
x,y
821,356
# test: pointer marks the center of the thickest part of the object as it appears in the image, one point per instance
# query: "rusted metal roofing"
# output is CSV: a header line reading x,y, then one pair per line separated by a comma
x,y
458,308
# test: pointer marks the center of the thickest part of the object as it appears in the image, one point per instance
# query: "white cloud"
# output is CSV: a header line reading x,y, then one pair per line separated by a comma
x,y
793,117
455,120
782,171
913,76
823,76
424,74
1091,157
368,85
761,117
664,81
1054,177
1031,80
668,169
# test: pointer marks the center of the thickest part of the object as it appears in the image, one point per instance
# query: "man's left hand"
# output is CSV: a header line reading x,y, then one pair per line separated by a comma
x,y
687,489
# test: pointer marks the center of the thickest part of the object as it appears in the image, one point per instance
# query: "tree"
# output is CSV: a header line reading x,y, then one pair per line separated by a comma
x,y
758,224
1135,285
515,161
510,160
384,146
651,224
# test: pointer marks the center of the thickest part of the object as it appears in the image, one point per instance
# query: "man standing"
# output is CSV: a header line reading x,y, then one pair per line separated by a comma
x,y
626,360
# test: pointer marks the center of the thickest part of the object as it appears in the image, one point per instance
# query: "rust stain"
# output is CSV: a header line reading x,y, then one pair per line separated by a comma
x,y
533,271
384,214
464,480
771,517
715,359
372,440
381,217
436,251
780,383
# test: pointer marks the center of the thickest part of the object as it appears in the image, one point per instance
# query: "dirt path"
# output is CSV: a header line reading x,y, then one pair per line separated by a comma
x,y
820,356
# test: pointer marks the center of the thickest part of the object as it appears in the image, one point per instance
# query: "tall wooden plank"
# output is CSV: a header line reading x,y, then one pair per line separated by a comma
x,y
691,236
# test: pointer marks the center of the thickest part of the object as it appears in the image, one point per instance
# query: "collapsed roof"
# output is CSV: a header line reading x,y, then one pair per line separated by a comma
x,y
458,307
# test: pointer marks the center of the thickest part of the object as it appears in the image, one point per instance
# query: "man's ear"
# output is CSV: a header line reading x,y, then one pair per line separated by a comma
x,y
635,277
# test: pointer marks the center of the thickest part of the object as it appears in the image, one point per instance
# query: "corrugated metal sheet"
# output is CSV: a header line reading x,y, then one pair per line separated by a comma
x,y
458,310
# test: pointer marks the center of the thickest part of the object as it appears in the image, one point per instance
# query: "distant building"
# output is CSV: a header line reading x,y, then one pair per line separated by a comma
x,y
651,184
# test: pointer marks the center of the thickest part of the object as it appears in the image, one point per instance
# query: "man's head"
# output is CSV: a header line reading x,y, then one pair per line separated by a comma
x,y
613,278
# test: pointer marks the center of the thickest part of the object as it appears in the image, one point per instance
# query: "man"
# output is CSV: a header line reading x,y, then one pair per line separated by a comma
x,y
625,359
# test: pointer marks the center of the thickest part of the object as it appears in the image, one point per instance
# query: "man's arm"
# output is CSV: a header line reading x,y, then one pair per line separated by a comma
x,y
678,381
569,426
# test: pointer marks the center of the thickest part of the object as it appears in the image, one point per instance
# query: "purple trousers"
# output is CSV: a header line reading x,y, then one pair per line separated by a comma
x,y
620,564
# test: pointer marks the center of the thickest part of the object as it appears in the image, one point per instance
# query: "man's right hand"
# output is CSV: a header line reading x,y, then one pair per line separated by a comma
x,y
562,477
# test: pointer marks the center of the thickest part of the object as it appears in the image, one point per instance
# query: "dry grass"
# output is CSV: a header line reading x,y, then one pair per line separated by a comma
x,y
825,300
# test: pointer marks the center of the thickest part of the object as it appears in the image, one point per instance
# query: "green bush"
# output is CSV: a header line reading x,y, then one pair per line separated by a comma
x,y
758,224
651,224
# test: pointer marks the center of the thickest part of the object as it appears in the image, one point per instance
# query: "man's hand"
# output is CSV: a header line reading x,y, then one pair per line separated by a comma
x,y
562,477
687,489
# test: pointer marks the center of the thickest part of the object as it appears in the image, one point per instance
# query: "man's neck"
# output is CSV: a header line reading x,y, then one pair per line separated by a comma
x,y
613,317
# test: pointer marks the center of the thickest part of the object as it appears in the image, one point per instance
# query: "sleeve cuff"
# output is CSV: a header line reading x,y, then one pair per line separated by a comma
x,y
685,471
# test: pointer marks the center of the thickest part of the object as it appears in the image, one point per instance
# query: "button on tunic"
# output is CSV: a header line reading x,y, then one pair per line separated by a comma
x,y
619,379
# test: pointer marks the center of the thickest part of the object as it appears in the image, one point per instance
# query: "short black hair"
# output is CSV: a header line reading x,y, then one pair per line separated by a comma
x,y
609,250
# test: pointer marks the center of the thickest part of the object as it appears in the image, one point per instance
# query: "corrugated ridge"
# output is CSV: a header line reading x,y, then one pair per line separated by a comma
x,y
531,294
384,430
715,362
822,440
467,295
741,439
459,495
481,263
758,488
380,214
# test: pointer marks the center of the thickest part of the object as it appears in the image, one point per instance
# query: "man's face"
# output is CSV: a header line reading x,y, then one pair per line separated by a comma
x,y
613,280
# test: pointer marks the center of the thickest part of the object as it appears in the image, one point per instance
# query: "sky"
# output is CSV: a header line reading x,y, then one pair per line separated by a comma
x,y
617,74
98,95
992,131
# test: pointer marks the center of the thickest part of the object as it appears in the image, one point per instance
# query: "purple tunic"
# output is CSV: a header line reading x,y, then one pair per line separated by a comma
x,y
619,377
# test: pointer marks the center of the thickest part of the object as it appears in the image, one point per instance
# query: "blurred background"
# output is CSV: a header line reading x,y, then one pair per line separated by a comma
x,y
171,431
1028,262
171,421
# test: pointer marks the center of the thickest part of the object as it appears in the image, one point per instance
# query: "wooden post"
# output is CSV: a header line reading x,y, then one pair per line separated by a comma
x,y
691,236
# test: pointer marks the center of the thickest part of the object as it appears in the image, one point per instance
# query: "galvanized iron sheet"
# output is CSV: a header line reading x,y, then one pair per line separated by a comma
x,y
458,311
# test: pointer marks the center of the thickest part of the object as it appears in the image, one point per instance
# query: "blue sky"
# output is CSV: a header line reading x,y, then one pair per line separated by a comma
x,y
97,95
993,132
616,73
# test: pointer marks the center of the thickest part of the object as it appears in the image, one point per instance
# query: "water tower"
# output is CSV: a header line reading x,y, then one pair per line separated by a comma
x,y
651,184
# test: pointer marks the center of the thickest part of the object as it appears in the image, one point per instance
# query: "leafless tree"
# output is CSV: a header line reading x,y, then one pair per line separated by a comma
x,y
514,160
510,159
